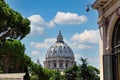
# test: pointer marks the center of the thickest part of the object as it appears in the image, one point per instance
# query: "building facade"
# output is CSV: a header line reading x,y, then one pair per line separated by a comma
x,y
109,28
59,56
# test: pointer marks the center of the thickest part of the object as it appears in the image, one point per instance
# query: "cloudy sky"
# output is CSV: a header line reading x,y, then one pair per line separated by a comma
x,y
79,28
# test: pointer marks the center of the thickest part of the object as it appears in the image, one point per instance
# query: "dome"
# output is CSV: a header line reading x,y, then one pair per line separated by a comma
x,y
60,49
59,56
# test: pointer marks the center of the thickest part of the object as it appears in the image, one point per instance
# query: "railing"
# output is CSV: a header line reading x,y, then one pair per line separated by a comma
x,y
117,49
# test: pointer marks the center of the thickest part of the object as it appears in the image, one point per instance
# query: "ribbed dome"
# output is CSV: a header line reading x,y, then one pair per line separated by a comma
x,y
60,49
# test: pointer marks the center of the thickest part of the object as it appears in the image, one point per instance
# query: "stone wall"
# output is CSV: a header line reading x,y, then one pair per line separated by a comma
x,y
12,76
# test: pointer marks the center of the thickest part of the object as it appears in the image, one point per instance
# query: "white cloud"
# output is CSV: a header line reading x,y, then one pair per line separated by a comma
x,y
94,61
34,52
69,18
88,36
85,40
82,46
41,60
91,60
43,45
38,24
77,57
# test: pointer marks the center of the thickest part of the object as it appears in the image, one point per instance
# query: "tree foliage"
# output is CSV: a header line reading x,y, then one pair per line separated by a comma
x,y
82,72
45,74
13,27
42,73
12,24
87,72
12,56
34,77
56,75
71,73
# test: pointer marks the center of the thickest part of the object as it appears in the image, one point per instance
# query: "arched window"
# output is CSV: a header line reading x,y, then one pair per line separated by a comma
x,y
66,65
54,64
61,65
116,38
116,51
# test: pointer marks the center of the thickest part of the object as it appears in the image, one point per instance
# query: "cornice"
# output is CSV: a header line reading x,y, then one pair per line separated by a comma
x,y
112,9
99,3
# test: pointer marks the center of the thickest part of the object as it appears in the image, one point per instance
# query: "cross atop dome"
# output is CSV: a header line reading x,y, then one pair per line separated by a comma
x,y
60,37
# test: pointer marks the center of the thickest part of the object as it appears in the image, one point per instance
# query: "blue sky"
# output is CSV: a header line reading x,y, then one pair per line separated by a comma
x,y
79,28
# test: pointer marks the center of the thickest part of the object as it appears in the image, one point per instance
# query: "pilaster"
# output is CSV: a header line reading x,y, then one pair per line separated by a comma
x,y
57,63
64,64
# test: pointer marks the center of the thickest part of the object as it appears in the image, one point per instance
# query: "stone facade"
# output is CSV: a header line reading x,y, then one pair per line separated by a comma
x,y
59,56
109,27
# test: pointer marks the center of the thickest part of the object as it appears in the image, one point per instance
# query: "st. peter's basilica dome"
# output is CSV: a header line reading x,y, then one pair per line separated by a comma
x,y
59,55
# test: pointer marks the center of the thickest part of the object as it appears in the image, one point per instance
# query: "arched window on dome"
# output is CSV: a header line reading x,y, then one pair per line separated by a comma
x,y
65,49
60,49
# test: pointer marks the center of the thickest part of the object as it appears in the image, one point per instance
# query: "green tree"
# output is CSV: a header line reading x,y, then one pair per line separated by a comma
x,y
94,73
35,77
10,51
12,24
56,75
26,65
12,56
87,72
27,60
71,73
37,70
82,72
47,74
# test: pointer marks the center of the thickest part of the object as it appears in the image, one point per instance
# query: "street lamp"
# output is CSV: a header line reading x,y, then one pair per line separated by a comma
x,y
88,7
